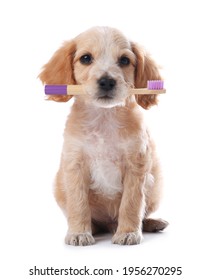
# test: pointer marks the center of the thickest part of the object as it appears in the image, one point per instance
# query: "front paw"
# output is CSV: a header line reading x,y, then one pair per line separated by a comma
x,y
130,238
79,239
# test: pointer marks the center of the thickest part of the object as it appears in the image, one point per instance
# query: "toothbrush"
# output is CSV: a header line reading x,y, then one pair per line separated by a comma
x,y
153,87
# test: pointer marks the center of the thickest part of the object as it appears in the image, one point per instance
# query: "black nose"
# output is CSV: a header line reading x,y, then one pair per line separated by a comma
x,y
106,83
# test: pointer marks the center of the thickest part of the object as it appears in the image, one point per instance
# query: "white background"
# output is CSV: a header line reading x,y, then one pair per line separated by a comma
x,y
32,227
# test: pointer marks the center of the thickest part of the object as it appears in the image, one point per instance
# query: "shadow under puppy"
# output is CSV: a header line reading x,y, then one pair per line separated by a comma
x,y
109,176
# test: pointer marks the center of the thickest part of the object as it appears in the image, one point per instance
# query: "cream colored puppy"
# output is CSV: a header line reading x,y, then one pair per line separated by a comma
x,y
109,177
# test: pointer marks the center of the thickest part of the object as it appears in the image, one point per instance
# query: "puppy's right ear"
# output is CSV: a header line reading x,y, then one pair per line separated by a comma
x,y
146,69
59,70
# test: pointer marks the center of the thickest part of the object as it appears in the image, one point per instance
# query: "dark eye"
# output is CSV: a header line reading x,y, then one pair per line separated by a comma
x,y
86,59
124,61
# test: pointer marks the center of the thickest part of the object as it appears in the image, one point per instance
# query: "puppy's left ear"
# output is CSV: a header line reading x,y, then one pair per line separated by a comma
x,y
59,70
146,69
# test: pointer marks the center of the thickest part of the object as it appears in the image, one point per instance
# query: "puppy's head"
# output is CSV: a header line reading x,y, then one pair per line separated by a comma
x,y
106,64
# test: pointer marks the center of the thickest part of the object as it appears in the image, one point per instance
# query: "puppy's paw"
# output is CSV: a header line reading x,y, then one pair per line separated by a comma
x,y
154,225
79,239
130,238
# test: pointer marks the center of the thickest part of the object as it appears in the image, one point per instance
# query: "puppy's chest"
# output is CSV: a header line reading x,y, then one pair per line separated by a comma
x,y
105,151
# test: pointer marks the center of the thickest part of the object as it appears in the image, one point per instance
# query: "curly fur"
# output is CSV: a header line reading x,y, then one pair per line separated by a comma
x,y
109,176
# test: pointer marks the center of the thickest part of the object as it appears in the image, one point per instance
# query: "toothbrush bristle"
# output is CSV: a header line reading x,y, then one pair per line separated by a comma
x,y
155,84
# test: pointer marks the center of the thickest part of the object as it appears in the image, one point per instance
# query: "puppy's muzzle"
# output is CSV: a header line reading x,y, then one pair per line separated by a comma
x,y
106,87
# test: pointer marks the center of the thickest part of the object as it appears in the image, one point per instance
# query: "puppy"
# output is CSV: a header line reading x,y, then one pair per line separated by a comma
x,y
109,176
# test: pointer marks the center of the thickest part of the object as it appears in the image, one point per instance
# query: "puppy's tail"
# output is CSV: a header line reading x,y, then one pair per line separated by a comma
x,y
154,225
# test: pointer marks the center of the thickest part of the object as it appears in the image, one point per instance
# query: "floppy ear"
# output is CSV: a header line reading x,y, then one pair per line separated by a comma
x,y
146,69
59,70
